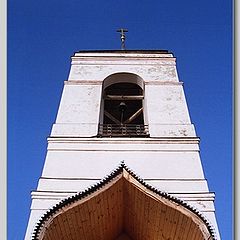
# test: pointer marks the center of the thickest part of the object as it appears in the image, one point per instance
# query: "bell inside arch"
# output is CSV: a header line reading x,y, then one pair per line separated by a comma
x,y
122,106
123,111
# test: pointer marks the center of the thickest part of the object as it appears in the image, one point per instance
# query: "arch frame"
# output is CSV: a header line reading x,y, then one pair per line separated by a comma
x,y
123,77
126,77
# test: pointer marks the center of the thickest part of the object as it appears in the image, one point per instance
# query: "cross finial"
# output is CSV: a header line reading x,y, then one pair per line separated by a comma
x,y
122,32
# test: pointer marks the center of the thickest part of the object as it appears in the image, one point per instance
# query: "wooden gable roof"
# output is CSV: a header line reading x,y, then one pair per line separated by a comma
x,y
122,206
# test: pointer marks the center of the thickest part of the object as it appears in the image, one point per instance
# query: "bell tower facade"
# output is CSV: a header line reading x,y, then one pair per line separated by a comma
x,y
122,126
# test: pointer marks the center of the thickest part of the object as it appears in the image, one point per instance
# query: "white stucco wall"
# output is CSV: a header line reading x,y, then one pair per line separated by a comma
x,y
150,67
165,109
84,163
76,158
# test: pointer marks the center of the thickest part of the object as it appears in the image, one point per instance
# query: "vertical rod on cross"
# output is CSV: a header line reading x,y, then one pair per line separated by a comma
x,y
123,37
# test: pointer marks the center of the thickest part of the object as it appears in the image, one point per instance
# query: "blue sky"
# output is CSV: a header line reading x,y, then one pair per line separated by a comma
x,y
42,35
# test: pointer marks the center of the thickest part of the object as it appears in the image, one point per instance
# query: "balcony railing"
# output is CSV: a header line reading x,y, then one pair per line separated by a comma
x,y
123,130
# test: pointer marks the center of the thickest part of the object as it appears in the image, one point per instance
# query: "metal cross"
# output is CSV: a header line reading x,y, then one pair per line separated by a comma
x,y
122,32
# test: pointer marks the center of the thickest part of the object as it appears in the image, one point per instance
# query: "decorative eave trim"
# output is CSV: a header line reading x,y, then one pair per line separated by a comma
x,y
117,171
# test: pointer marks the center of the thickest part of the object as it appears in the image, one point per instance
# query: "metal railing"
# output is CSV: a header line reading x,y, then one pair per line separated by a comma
x,y
123,130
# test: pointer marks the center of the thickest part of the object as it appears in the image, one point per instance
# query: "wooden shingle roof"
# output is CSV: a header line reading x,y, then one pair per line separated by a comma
x,y
122,204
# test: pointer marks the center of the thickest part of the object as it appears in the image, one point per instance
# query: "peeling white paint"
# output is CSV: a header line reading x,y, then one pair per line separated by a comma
x,y
76,158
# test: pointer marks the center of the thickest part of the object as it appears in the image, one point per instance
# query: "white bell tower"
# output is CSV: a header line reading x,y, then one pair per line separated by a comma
x,y
122,106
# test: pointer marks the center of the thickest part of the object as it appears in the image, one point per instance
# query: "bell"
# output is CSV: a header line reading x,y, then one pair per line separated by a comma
x,y
122,106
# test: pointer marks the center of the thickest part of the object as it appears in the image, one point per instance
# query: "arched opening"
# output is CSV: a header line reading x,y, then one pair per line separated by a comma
x,y
122,109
